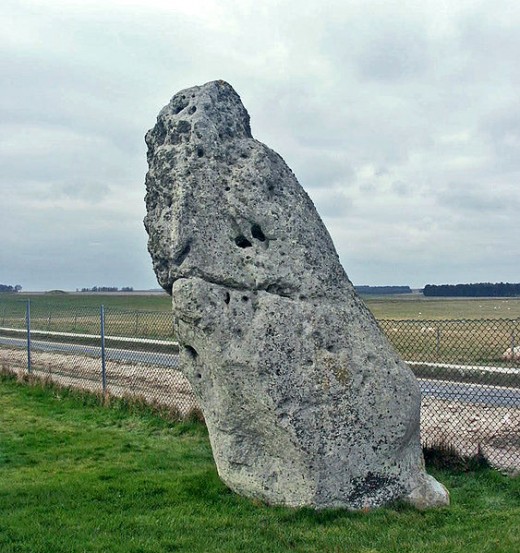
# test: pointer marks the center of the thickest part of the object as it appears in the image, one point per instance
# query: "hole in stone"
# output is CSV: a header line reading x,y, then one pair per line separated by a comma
x,y
192,110
192,352
183,255
256,232
242,242
227,299
245,298
200,152
198,375
183,126
227,188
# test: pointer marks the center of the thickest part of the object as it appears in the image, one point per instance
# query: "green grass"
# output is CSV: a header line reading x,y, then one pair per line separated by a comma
x,y
126,314
403,307
420,308
77,477
470,342
68,302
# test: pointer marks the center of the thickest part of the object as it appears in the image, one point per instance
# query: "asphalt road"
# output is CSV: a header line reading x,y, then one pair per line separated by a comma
x,y
170,360
493,396
480,394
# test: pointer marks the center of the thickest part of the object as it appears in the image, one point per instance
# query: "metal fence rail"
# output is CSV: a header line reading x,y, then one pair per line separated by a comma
x,y
469,371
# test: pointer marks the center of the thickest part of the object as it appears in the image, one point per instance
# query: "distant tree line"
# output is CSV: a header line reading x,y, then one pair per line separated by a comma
x,y
477,290
108,289
7,288
383,290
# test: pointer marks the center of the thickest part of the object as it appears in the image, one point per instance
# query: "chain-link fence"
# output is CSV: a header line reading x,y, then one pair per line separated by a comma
x,y
469,371
109,351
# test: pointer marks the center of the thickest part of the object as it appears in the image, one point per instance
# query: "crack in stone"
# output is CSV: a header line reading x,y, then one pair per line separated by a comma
x,y
273,288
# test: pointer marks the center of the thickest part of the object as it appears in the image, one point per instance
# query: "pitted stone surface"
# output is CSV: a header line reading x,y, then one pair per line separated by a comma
x,y
306,402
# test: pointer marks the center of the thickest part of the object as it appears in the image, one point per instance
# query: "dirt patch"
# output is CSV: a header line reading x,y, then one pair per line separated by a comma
x,y
472,429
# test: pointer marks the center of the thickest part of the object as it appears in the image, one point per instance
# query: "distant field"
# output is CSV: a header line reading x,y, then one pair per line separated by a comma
x,y
141,315
441,309
69,301
401,308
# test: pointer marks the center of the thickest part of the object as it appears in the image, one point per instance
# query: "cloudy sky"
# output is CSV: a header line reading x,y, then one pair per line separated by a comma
x,y
401,119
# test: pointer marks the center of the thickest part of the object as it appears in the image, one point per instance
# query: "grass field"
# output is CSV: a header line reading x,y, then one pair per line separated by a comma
x,y
421,308
126,314
402,307
76,477
67,302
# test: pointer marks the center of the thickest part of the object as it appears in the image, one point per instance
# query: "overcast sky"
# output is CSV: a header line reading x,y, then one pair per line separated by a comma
x,y
401,119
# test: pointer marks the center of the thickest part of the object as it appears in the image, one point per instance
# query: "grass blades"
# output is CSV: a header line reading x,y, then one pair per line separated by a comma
x,y
79,477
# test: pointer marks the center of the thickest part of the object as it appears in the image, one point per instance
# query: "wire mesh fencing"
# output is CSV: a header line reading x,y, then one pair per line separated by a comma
x,y
108,351
469,371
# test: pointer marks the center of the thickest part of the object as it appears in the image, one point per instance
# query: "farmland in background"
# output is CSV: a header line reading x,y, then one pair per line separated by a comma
x,y
420,308
67,301
402,308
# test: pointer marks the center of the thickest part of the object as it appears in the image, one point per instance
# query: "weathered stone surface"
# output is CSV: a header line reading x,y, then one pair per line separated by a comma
x,y
305,401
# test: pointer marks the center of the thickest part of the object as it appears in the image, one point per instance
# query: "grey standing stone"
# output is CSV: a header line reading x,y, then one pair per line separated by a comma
x,y
305,401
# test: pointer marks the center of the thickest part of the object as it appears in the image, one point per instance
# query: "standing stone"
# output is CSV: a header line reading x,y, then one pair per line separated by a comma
x,y
305,401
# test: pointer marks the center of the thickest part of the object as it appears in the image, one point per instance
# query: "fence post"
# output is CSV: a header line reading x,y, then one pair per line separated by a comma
x,y
513,356
28,325
103,357
438,342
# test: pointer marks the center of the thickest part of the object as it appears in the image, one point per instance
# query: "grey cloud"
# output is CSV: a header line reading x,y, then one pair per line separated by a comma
x,y
502,129
402,122
64,160
322,169
402,188
465,197
333,205
394,55
491,40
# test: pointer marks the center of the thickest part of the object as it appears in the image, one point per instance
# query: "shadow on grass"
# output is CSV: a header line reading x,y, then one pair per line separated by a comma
x,y
443,456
